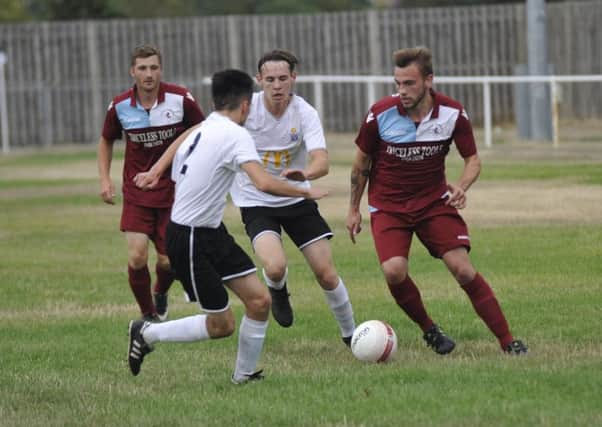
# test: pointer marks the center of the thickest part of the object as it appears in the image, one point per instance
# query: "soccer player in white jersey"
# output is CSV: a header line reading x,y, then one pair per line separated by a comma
x,y
290,141
204,256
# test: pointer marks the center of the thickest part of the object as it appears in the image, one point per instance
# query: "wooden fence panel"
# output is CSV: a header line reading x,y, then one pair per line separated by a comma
x,y
62,75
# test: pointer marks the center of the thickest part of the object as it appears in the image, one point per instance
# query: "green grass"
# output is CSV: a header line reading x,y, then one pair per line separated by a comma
x,y
66,304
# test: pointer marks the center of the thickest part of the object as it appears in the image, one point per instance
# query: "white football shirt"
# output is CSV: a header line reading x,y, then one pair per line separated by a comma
x,y
282,143
204,168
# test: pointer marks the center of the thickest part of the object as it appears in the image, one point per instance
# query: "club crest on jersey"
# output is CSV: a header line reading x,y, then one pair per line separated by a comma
x,y
294,135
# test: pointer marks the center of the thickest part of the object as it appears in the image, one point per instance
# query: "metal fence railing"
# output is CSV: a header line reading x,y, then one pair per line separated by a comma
x,y
61,76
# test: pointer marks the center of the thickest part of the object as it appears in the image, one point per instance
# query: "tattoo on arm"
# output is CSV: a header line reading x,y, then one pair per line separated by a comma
x,y
358,182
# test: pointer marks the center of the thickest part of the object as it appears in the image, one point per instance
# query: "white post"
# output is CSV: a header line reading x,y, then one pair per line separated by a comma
x,y
319,100
554,108
3,111
487,113
371,92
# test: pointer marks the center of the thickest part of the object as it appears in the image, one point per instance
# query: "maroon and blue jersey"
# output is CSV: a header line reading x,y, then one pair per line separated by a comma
x,y
407,171
147,136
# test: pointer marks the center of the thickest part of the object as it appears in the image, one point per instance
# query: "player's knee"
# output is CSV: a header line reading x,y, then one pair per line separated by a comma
x,y
220,326
275,270
463,273
137,259
258,306
163,262
394,272
328,278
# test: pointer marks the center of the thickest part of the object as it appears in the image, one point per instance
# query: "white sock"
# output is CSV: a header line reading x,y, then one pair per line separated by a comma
x,y
187,329
338,301
251,336
275,285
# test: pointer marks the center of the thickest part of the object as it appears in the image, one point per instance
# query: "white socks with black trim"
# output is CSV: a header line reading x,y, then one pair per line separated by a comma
x,y
251,336
340,305
187,329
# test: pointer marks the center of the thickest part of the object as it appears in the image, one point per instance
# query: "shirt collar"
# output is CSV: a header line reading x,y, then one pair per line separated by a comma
x,y
160,94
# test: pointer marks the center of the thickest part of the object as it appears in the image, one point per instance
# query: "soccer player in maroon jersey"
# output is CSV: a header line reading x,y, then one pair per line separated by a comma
x,y
151,114
401,149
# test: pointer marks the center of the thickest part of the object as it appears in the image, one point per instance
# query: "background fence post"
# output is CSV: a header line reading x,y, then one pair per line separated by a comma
x,y
95,93
3,106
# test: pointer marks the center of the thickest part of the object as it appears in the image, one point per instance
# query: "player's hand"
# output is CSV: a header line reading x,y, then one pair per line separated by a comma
x,y
294,174
107,192
456,196
354,224
316,193
146,180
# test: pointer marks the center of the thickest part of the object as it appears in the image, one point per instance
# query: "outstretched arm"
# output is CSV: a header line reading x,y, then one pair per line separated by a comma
x,y
470,173
268,184
360,170
147,180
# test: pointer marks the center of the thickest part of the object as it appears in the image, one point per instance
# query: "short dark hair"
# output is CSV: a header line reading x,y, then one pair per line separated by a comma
x,y
419,55
278,55
144,51
229,88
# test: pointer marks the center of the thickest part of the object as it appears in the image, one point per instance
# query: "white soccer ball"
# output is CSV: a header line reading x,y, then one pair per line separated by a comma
x,y
374,341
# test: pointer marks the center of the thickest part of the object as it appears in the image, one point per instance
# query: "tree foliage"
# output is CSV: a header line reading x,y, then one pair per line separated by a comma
x,y
13,10
19,10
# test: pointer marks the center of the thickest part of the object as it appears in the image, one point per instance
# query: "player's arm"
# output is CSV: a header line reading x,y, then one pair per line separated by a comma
x,y
149,179
360,170
470,173
104,159
268,184
317,167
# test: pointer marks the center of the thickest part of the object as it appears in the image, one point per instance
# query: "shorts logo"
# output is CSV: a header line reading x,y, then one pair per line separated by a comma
x,y
294,135
463,237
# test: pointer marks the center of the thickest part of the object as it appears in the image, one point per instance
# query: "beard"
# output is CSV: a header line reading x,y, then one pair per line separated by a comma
x,y
417,101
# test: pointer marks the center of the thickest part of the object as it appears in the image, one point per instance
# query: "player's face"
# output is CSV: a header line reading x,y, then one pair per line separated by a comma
x,y
412,86
147,73
276,80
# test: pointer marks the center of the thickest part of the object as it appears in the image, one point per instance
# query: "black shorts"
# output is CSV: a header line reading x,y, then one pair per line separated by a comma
x,y
301,221
202,259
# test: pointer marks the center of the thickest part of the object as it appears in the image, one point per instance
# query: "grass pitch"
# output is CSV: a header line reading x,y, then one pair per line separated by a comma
x,y
65,304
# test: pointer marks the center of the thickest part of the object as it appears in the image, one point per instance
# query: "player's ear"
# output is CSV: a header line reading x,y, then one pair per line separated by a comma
x,y
132,71
293,75
429,81
258,77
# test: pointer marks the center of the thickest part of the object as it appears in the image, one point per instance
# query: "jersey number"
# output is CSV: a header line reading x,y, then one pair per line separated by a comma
x,y
190,150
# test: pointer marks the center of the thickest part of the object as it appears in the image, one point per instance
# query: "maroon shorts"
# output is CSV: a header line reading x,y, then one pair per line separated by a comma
x,y
440,228
150,221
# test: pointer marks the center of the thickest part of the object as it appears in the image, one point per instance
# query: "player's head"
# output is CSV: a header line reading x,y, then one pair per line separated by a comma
x,y
231,90
276,75
145,67
413,75
144,51
420,56
278,55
